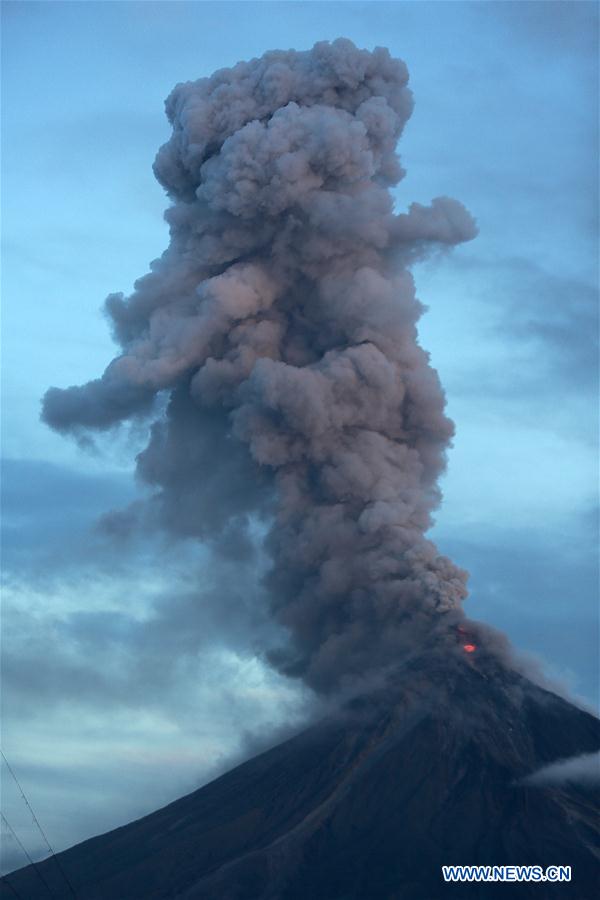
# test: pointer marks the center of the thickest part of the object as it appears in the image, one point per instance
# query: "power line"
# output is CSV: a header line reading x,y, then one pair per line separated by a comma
x,y
9,885
35,866
40,829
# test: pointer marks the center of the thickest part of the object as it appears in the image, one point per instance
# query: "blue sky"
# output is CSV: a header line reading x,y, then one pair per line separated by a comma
x,y
111,703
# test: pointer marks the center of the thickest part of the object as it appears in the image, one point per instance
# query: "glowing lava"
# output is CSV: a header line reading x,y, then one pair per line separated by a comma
x,y
469,648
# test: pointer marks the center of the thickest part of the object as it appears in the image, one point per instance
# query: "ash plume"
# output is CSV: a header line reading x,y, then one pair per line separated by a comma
x,y
281,325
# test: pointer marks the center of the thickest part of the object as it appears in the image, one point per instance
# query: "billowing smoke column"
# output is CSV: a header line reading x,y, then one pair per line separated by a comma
x,y
281,323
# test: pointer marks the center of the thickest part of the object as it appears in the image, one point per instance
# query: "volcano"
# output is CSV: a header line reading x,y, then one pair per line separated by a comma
x,y
426,769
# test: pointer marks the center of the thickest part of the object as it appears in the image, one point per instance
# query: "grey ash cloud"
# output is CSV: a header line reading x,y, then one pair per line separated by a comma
x,y
280,323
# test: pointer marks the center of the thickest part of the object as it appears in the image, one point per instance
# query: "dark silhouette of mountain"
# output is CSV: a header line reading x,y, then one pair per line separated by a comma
x,y
423,771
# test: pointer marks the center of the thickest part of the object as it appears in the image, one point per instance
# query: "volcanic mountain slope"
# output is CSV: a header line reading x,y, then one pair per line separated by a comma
x,y
422,772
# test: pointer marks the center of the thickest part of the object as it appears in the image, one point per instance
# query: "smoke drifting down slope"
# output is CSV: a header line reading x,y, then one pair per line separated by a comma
x,y
281,321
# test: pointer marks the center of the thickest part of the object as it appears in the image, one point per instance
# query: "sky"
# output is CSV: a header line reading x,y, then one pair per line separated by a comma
x,y
120,692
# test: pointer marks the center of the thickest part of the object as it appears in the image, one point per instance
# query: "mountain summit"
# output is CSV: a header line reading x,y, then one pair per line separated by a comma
x,y
423,771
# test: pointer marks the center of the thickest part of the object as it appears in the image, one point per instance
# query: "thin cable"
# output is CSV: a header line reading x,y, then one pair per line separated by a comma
x,y
13,889
35,866
40,829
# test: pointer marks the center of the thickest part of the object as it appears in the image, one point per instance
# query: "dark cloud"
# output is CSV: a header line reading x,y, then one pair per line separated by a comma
x,y
49,516
36,491
94,635
281,321
89,618
556,317
540,330
560,27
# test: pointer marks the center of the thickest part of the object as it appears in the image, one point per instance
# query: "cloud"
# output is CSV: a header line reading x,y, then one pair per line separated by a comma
x,y
90,617
556,318
281,324
584,769
530,339
122,659
565,29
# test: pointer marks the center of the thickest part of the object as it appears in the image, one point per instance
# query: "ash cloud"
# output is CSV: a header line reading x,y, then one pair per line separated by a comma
x,y
281,325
